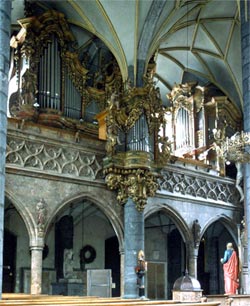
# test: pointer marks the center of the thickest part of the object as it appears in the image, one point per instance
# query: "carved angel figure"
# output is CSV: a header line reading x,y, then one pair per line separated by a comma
x,y
165,150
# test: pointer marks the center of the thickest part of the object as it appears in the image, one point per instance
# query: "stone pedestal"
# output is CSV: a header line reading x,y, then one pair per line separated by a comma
x,y
187,296
69,287
187,289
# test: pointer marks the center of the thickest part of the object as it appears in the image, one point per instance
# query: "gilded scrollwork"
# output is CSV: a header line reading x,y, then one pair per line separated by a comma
x,y
180,96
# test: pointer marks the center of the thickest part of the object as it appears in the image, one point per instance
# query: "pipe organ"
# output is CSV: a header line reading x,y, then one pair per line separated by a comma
x,y
56,76
196,114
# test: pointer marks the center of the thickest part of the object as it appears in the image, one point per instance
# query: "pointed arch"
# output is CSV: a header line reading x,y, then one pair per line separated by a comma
x,y
173,214
25,214
110,213
225,221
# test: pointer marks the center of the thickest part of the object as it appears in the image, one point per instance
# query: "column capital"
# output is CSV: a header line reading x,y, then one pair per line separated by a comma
x,y
37,244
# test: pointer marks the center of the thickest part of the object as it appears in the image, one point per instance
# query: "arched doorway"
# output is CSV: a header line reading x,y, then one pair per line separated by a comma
x,y
211,250
16,269
165,254
112,261
9,262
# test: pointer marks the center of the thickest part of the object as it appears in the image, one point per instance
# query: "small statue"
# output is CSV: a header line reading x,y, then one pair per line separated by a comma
x,y
196,232
165,152
140,271
41,215
29,87
219,137
141,268
112,140
68,261
239,178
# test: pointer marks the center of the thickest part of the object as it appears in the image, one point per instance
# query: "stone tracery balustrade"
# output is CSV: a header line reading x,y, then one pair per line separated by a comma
x,y
71,162
52,158
198,186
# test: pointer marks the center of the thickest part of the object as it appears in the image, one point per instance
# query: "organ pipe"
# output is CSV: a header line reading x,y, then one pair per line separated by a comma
x,y
138,136
50,76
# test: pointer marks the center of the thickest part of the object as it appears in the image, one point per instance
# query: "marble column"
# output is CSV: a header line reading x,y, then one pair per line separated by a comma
x,y
245,51
5,21
36,269
134,242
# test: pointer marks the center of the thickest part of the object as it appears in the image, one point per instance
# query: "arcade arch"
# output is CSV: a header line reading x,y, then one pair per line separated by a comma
x,y
166,235
16,256
87,212
215,235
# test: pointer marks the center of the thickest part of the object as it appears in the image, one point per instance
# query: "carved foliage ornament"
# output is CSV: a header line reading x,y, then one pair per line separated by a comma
x,y
137,184
180,96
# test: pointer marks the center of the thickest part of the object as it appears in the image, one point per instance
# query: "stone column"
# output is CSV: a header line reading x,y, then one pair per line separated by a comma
x,y
245,51
193,255
5,12
134,242
36,268
122,273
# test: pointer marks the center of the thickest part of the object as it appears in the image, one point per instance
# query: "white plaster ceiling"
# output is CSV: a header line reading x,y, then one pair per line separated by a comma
x,y
193,40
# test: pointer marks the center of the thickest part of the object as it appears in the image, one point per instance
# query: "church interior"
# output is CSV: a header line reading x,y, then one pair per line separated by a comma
x,y
126,162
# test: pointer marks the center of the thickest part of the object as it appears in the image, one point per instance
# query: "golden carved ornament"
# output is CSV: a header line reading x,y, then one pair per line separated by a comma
x,y
181,96
132,176
129,105
132,173
137,184
77,73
